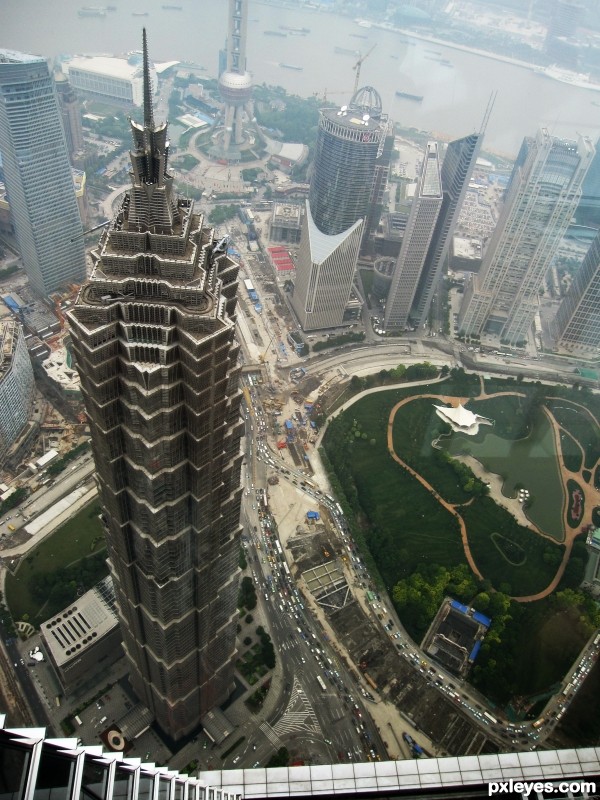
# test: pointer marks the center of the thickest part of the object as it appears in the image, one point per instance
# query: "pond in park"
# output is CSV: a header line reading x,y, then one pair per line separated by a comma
x,y
531,463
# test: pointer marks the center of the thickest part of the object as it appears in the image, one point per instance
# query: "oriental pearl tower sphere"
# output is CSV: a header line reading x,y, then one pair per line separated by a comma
x,y
235,83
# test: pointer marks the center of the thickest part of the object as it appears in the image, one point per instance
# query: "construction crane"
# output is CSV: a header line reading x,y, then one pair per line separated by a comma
x,y
90,230
358,66
323,97
262,358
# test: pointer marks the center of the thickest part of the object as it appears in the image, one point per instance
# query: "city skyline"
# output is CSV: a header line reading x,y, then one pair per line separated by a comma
x,y
154,340
154,336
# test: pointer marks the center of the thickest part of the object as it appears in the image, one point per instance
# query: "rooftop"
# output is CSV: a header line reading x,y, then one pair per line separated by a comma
x,y
91,615
105,65
14,57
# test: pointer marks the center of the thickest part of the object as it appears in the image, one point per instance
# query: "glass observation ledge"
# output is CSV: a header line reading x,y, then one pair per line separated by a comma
x,y
33,765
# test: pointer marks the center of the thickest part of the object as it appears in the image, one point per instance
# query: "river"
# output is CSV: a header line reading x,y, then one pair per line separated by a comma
x,y
455,93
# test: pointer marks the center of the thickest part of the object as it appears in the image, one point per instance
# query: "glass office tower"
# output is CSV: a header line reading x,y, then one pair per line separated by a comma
x,y
543,194
38,174
349,141
578,318
421,224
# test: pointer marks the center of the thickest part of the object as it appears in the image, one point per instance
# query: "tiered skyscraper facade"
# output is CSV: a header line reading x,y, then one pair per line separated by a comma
x,y
38,175
349,141
541,199
578,319
154,338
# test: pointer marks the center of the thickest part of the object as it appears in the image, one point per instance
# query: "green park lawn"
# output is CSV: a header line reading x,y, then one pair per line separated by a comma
x,y
580,424
407,527
414,543
61,567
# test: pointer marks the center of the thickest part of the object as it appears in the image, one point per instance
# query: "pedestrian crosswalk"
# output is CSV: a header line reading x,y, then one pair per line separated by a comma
x,y
298,716
268,731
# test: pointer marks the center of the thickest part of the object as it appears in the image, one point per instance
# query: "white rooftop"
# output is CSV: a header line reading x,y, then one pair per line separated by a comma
x,y
105,65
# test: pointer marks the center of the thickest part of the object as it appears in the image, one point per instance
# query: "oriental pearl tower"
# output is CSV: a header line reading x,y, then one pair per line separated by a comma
x,y
235,83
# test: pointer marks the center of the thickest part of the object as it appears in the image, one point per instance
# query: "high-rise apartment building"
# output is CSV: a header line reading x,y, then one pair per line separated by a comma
x,y
38,175
349,141
577,322
153,333
421,223
561,37
543,193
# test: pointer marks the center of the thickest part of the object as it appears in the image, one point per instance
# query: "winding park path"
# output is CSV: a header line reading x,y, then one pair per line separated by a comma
x,y
591,496
450,507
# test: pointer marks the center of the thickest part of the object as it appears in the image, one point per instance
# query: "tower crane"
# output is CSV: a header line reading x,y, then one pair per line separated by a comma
x,y
323,97
358,66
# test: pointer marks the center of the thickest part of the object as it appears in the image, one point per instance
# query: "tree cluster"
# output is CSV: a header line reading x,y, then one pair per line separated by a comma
x,y
221,214
280,759
266,652
247,594
294,118
61,463
15,499
469,482
337,341
418,597
58,589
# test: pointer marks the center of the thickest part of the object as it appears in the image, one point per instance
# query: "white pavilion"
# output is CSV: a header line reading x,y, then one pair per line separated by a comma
x,y
461,420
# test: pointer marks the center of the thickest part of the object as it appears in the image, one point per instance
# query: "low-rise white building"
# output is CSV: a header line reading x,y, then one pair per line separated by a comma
x,y
118,80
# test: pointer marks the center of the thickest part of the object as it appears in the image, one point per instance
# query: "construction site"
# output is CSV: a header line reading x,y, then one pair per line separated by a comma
x,y
56,420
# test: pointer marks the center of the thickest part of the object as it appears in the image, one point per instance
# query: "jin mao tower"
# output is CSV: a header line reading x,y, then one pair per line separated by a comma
x,y
153,332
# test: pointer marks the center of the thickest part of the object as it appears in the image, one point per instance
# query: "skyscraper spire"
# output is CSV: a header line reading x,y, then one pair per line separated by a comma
x,y
153,204
488,112
148,116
